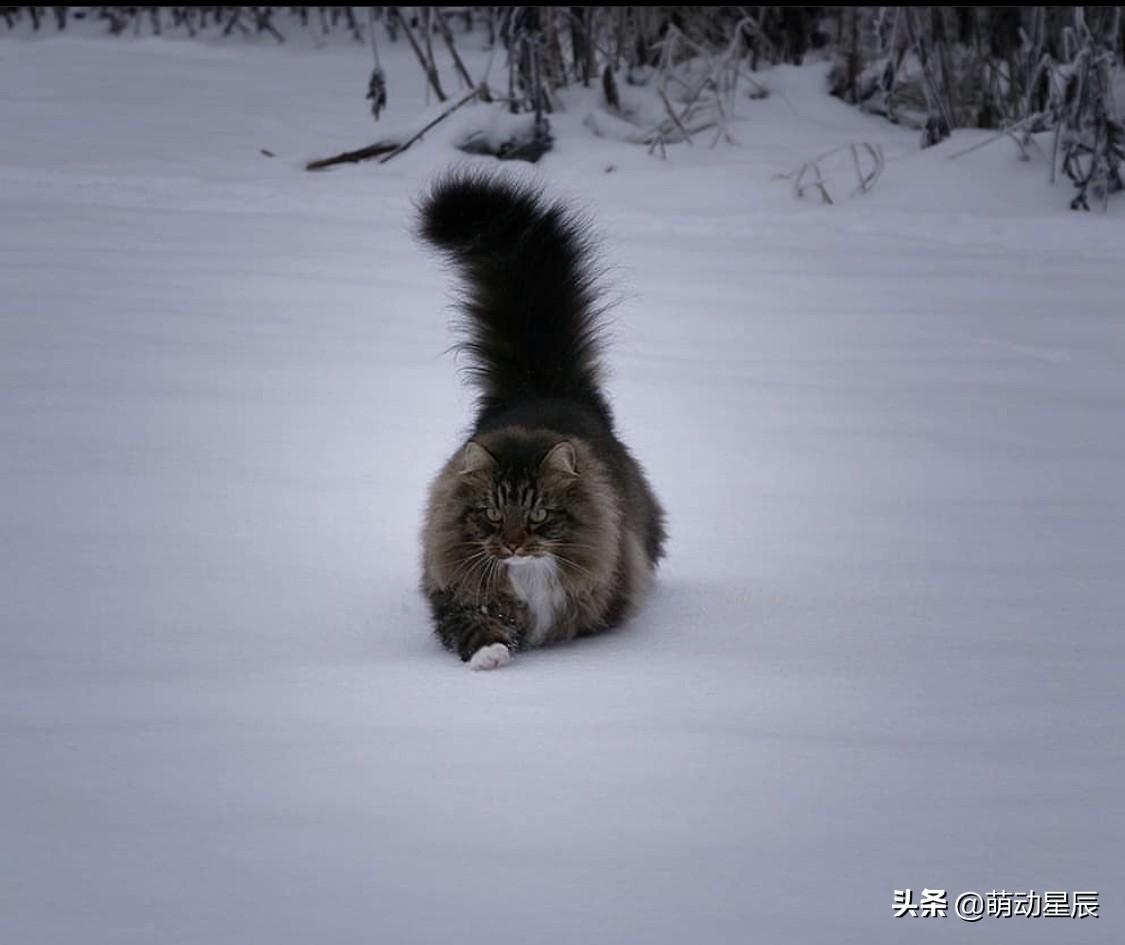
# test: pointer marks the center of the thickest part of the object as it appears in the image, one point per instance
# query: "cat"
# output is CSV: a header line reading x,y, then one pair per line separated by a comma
x,y
542,527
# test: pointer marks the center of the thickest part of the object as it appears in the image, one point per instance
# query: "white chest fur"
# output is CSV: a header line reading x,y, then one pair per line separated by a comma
x,y
535,581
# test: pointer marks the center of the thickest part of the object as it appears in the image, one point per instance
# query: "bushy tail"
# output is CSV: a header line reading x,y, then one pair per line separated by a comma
x,y
530,297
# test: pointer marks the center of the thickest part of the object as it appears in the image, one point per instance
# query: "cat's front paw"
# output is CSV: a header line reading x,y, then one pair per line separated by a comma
x,y
492,656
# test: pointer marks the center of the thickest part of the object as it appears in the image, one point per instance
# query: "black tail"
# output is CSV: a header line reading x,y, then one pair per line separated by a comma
x,y
530,296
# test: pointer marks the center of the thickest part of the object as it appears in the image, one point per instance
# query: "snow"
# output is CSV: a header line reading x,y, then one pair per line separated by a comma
x,y
884,652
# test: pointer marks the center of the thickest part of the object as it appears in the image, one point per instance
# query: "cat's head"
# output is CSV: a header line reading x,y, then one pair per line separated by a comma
x,y
508,499
520,507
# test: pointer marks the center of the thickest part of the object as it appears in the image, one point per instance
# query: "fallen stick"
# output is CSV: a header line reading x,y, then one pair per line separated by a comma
x,y
440,118
354,157
385,150
1019,125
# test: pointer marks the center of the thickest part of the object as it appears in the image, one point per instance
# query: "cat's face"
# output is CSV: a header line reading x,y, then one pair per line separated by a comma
x,y
516,500
517,512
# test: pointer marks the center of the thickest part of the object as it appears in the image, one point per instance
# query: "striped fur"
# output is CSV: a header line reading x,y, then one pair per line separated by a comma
x,y
543,474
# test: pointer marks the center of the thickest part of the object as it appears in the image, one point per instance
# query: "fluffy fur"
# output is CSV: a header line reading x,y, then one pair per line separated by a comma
x,y
542,526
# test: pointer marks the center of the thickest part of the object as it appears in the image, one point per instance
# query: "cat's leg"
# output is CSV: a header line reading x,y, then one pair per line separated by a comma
x,y
483,635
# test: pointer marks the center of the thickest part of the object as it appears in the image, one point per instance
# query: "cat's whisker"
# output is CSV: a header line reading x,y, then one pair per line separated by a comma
x,y
462,570
571,563
468,559
474,577
482,579
576,546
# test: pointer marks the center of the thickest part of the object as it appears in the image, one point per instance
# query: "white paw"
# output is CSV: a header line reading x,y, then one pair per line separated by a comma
x,y
492,656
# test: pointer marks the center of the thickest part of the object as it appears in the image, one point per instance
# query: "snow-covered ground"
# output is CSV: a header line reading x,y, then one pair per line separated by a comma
x,y
885,650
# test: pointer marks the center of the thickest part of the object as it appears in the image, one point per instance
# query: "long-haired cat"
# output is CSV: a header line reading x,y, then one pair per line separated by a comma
x,y
541,527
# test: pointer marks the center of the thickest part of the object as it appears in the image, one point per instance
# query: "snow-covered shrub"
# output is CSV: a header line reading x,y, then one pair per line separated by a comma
x,y
1090,134
1021,69
1017,69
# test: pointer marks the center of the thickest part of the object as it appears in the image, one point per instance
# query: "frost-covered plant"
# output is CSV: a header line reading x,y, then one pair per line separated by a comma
x,y
226,21
1018,69
1090,134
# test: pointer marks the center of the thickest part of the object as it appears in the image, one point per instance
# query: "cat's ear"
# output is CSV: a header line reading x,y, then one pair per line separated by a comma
x,y
476,459
560,461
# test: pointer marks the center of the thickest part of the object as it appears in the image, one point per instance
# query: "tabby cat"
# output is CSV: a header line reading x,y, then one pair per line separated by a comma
x,y
542,527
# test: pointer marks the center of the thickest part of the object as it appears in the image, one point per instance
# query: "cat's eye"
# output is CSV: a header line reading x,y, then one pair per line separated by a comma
x,y
537,516
493,515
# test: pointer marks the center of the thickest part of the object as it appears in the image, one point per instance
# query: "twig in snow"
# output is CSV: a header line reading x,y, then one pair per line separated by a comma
x,y
865,180
354,157
428,66
437,121
447,37
1030,120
